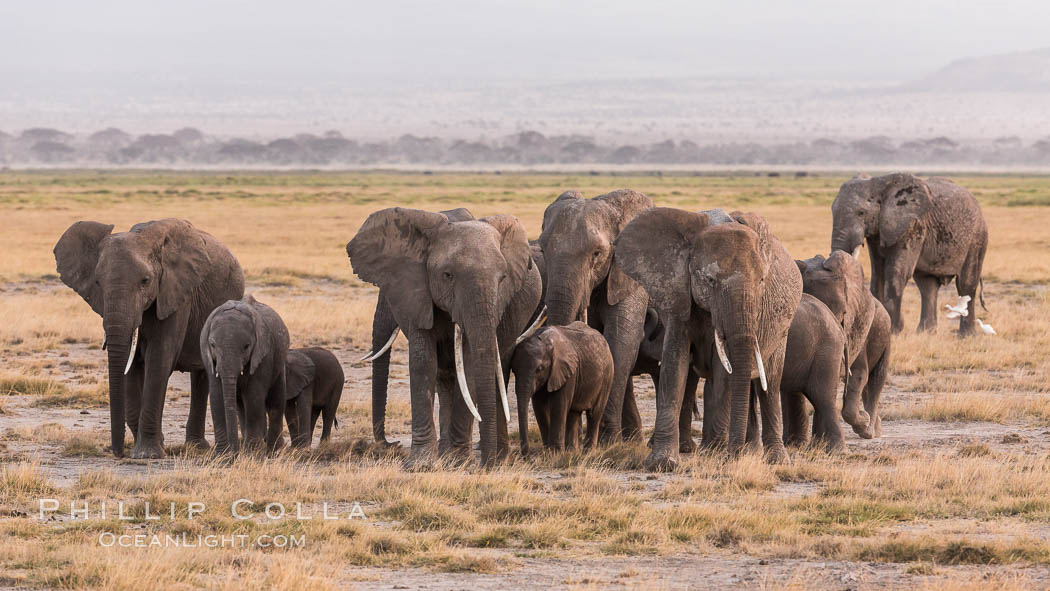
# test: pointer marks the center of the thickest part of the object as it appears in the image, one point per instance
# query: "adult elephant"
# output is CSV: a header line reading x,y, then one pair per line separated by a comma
x,y
931,229
154,287
384,333
447,283
724,278
582,284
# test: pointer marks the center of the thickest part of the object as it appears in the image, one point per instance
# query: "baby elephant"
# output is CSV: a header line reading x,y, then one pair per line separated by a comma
x,y
566,370
244,347
838,281
315,384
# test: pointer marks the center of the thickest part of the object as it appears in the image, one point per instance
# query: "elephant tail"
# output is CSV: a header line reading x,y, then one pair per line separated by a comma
x,y
983,307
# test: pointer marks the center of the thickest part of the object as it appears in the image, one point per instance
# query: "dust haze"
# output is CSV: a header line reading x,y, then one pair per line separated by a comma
x,y
541,83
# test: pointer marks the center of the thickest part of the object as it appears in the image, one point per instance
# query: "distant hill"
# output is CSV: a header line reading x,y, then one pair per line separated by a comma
x,y
1026,71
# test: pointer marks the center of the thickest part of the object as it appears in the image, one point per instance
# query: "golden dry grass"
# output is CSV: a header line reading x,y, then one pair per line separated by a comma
x,y
974,504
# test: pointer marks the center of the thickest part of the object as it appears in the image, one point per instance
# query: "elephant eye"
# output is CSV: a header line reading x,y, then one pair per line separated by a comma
x,y
597,254
145,281
447,275
246,346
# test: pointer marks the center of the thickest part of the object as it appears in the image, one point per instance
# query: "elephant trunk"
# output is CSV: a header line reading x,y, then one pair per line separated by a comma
x,y
846,238
480,328
229,401
739,328
120,327
563,299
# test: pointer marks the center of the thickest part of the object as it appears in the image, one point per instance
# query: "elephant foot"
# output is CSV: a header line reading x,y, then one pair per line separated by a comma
x,y
384,443
876,429
859,421
686,445
776,454
661,461
457,455
421,458
148,449
198,443
607,436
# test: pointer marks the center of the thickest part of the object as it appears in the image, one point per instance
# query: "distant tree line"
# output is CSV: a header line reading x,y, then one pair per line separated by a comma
x,y
190,147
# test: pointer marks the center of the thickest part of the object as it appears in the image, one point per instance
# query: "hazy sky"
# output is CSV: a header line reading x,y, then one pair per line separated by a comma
x,y
132,41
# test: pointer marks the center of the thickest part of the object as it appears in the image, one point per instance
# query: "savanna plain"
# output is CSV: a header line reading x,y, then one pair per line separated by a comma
x,y
954,495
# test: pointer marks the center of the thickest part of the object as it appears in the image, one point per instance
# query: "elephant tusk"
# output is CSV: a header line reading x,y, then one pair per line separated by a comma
x,y
856,251
373,356
461,376
502,385
761,369
540,319
695,369
585,316
134,345
720,347
105,342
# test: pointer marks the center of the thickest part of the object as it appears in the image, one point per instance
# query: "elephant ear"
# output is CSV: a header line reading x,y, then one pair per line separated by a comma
x,y
300,373
514,244
390,251
905,199
460,214
209,365
557,204
565,361
654,250
76,256
262,344
766,241
625,205
184,262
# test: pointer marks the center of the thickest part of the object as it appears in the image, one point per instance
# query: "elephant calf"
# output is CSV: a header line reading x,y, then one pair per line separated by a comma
x,y
567,371
244,346
314,387
838,281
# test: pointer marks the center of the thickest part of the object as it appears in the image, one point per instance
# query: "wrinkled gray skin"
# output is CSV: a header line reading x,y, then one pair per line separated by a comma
x,y
705,272
314,379
931,229
161,278
648,363
435,274
566,371
838,281
577,242
813,368
244,347
384,325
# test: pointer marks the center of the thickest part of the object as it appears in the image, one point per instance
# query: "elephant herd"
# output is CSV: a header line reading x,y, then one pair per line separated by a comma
x,y
622,286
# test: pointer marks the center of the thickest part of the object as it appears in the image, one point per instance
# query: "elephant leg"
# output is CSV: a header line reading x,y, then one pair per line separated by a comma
x,y
873,391
674,367
966,283
572,430
624,331
447,391
715,428
796,419
150,441
422,365
853,411
305,418
686,445
541,406
900,265
460,428
752,437
291,418
327,416
772,418
590,440
822,392
133,396
198,409
928,286
559,404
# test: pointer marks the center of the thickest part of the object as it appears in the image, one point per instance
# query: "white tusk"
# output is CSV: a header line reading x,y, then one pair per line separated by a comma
x,y
216,374
502,386
856,251
845,358
373,356
695,369
585,315
134,345
720,347
105,341
540,319
761,370
462,376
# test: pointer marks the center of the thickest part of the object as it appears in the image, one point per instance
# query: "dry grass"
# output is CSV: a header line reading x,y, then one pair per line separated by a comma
x,y
969,505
